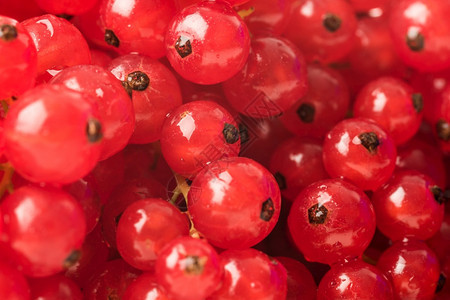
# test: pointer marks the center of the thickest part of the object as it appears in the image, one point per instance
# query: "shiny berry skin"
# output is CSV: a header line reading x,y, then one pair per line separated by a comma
x,y
354,280
393,105
296,163
441,121
300,282
197,133
196,50
331,220
314,114
266,15
44,228
409,205
327,29
145,227
234,202
110,281
70,7
54,288
440,242
418,154
273,79
53,135
360,151
114,105
189,268
251,274
145,287
154,92
13,285
18,61
20,10
420,31
137,26
412,268
59,44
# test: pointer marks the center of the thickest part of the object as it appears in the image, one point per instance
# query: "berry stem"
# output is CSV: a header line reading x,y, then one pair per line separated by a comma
x,y
5,183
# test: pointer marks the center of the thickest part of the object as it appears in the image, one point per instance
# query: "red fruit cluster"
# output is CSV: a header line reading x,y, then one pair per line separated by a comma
x,y
224,149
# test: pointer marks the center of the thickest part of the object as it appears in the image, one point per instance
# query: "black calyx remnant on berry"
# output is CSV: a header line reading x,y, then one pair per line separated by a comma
x,y
417,101
441,283
8,32
443,130
267,210
317,214
194,264
188,181
306,112
183,46
94,130
138,81
331,22
415,40
127,88
438,194
280,180
111,38
243,133
370,141
65,16
230,133
72,259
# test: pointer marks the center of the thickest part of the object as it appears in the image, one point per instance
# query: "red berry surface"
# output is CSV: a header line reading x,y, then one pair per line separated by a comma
x,y
300,282
54,287
68,7
145,287
13,284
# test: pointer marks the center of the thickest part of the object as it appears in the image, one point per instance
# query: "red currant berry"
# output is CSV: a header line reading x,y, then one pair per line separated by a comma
x,y
314,114
145,227
71,8
327,29
331,220
137,26
273,79
189,268
54,287
234,202
196,134
114,105
145,287
393,105
421,33
409,205
300,282
355,280
440,242
361,152
251,274
196,50
154,92
412,268
13,285
18,59
53,135
44,227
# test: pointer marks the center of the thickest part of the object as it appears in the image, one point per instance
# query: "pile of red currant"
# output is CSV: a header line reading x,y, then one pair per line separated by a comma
x,y
224,149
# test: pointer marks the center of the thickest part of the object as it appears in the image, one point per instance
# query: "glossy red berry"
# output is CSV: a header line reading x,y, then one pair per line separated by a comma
x,y
409,205
145,227
300,282
331,220
234,202
145,287
393,105
273,79
196,134
296,163
54,287
59,44
355,280
114,105
441,121
72,7
44,228
13,284
154,92
421,33
314,114
18,61
412,268
196,50
327,29
137,26
361,152
189,268
53,135
440,242
251,274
